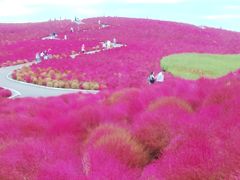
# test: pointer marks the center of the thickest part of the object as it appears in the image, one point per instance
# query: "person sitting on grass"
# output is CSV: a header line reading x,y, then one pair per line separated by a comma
x,y
151,78
160,76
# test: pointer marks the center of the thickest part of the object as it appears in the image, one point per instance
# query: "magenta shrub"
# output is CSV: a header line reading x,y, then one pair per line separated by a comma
x,y
5,93
119,143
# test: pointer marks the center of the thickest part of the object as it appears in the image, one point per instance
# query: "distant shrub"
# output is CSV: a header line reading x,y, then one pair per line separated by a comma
x,y
171,102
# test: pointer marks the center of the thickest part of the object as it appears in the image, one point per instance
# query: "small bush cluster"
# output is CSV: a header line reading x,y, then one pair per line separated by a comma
x,y
53,78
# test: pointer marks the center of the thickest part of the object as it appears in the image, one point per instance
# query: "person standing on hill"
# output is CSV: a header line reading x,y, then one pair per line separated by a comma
x,y
114,42
45,56
38,58
42,55
108,44
83,48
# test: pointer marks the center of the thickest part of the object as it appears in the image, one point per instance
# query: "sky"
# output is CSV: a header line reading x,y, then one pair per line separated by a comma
x,y
214,13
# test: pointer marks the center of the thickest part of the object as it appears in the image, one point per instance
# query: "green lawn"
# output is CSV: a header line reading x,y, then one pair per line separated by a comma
x,y
194,66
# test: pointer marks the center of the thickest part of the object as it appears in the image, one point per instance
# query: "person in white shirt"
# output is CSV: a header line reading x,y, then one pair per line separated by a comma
x,y
104,45
114,42
160,76
108,44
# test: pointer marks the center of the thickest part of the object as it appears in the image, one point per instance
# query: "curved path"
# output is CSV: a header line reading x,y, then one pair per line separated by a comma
x,y
22,89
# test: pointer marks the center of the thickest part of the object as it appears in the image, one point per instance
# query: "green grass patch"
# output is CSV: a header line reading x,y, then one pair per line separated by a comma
x,y
195,66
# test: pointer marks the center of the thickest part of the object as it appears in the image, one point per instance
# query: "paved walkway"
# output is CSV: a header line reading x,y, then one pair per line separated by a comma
x,y
21,89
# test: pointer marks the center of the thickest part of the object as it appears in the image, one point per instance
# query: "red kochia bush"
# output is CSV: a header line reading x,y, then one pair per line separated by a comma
x,y
84,120
5,93
173,102
195,156
101,165
162,120
119,144
152,131
127,102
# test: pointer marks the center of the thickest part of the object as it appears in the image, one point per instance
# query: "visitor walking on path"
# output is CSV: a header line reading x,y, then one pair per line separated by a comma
x,y
83,48
108,44
114,42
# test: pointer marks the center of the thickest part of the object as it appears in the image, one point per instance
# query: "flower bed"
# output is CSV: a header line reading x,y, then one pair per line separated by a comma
x,y
54,78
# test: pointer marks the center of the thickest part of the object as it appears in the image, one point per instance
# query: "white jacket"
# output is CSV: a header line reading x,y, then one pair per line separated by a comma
x,y
160,77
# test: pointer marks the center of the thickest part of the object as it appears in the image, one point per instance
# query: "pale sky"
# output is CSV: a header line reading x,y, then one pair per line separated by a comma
x,y
215,13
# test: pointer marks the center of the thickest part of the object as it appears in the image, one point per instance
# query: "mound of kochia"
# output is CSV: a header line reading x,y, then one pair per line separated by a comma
x,y
143,37
176,130
194,66
147,42
5,93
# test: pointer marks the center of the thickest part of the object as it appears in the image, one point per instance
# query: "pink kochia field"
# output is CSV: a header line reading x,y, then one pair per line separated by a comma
x,y
176,130
147,41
